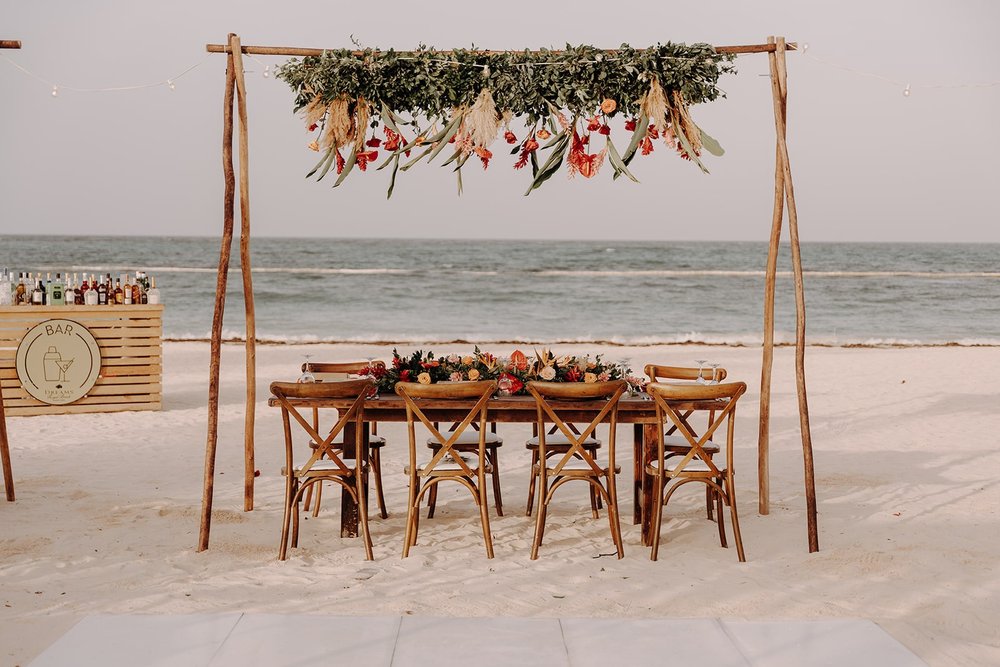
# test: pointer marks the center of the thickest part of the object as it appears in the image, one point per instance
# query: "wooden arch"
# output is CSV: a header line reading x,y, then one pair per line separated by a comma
x,y
8,472
784,196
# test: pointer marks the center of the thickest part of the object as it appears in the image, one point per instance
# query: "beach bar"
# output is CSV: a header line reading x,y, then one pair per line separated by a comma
x,y
126,369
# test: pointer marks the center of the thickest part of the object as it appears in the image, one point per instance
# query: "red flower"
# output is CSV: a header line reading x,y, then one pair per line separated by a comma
x,y
574,375
509,136
391,139
653,132
340,163
509,383
527,148
364,158
313,127
404,376
604,129
374,142
594,124
433,363
630,125
397,362
647,146
484,155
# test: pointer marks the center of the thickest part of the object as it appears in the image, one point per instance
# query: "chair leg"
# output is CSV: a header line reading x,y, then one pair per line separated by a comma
x,y
319,498
410,510
363,515
295,523
495,462
432,498
657,513
722,524
731,497
616,526
600,504
709,502
307,503
286,521
484,517
531,482
375,459
543,506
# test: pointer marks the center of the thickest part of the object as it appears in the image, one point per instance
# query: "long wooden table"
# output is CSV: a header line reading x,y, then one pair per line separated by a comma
x,y
635,410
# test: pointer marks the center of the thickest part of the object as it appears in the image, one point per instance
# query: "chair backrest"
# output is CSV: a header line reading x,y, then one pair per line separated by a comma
x,y
293,396
670,399
414,393
338,366
655,373
546,393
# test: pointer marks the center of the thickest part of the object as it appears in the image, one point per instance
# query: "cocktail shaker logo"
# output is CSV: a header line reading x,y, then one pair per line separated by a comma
x,y
58,361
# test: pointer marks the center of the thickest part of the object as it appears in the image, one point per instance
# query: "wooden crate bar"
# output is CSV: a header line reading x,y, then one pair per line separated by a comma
x,y
131,343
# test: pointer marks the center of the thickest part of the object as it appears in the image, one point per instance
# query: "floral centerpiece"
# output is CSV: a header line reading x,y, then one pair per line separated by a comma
x,y
512,373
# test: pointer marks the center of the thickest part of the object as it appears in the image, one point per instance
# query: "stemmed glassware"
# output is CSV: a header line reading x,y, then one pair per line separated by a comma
x,y
701,366
307,375
715,373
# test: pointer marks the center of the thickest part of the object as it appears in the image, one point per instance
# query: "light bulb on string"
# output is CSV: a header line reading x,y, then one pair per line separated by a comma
x,y
170,84
267,71
906,91
55,91
805,47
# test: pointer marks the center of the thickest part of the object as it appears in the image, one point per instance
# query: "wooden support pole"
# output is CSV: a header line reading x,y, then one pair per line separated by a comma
x,y
8,472
220,306
800,302
298,51
251,337
767,364
10,43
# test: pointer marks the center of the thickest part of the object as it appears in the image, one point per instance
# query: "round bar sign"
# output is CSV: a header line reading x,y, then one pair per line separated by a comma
x,y
58,361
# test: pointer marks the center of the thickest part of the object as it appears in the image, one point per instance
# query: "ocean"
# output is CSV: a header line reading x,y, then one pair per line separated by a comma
x,y
551,292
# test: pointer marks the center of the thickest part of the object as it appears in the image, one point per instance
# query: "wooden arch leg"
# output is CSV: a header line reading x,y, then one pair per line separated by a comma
x,y
8,472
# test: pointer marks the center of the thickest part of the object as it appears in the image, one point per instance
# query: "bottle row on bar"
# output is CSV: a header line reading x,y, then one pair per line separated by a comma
x,y
29,289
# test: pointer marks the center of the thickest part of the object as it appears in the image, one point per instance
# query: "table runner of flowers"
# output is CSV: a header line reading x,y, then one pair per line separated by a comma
x,y
512,372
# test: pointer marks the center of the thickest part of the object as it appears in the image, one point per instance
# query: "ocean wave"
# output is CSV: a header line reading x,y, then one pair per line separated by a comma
x,y
782,339
623,273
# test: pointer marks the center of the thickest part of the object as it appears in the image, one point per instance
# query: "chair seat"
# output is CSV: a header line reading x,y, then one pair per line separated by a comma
x,y
469,437
694,465
448,464
374,441
680,442
578,465
560,440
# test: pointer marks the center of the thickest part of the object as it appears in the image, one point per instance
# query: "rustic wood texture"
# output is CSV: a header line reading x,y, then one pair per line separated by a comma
x,y
228,203
10,43
131,350
298,51
8,471
251,323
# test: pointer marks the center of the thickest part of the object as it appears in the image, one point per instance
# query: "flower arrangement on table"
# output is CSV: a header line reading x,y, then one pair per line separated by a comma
x,y
511,373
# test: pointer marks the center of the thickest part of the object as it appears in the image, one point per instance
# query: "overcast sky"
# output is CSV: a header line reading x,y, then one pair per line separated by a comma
x,y
869,164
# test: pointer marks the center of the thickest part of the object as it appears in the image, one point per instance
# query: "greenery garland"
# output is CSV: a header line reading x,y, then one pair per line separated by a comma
x,y
426,100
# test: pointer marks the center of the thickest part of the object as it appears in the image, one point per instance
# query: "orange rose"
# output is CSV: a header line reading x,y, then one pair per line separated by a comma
x,y
424,378
473,374
608,105
543,134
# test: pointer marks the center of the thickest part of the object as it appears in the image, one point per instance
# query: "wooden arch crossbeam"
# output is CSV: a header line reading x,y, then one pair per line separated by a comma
x,y
8,472
784,199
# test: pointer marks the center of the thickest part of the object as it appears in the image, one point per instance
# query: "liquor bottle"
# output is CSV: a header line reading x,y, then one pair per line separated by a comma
x,y
38,295
47,294
127,292
82,292
6,289
119,296
21,295
57,295
154,294
70,292
102,294
137,292
91,297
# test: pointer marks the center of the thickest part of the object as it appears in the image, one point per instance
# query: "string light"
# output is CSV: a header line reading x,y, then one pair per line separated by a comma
x,y
267,71
805,47
906,91
169,83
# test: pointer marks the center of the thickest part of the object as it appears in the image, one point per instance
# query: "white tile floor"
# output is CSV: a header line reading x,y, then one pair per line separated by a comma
x,y
244,640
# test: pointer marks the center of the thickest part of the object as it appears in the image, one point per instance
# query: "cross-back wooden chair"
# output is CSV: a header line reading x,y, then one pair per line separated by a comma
x,y
577,462
556,444
375,441
674,443
326,462
447,462
696,465
469,442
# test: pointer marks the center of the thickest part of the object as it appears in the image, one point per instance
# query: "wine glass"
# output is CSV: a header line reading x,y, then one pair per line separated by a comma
x,y
307,375
715,373
701,366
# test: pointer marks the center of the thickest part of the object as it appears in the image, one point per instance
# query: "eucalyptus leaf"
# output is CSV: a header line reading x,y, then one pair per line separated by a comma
x,y
324,162
416,159
392,179
616,161
348,166
710,144
687,146
640,132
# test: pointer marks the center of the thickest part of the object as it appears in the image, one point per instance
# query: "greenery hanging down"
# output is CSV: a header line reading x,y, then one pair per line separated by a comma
x,y
427,102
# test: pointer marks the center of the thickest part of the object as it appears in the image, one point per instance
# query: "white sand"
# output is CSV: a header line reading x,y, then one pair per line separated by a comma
x,y
907,464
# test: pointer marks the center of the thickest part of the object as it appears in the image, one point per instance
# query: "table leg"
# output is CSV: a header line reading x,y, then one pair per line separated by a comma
x,y
348,508
649,436
637,471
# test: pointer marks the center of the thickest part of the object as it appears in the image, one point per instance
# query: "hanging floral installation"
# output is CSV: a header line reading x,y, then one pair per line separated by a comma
x,y
404,108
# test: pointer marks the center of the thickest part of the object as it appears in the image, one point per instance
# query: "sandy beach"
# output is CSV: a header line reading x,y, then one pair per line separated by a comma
x,y
106,517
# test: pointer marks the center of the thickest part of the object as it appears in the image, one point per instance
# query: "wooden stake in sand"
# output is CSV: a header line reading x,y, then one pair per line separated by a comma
x,y
220,306
8,471
251,337
779,88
